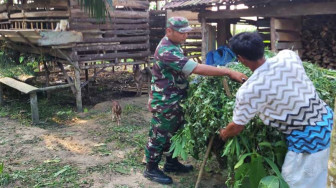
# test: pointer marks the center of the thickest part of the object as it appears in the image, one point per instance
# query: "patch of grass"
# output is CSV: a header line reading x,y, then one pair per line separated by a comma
x,y
93,114
104,121
126,136
130,163
102,149
121,186
35,140
57,110
129,109
43,175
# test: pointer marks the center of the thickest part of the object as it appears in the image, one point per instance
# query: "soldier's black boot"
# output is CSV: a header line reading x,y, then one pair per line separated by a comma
x,y
153,173
173,165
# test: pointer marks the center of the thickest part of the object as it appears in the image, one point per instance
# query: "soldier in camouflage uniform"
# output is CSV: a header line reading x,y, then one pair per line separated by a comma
x,y
169,87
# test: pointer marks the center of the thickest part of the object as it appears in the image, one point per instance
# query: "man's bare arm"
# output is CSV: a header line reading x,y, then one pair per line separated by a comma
x,y
208,70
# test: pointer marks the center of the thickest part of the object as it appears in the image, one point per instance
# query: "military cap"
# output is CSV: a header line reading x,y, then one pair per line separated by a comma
x,y
179,24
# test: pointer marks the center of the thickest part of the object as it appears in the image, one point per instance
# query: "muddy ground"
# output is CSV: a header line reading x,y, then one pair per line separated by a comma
x,y
88,151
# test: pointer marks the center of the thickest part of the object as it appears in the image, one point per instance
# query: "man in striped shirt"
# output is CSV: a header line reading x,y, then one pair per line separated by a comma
x,y
282,95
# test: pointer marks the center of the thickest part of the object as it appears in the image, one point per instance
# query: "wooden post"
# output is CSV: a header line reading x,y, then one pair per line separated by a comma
x,y
78,88
211,37
221,33
204,40
1,95
86,79
273,35
34,107
47,73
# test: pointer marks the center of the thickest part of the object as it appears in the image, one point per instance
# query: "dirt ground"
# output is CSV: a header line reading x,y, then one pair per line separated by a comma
x,y
103,153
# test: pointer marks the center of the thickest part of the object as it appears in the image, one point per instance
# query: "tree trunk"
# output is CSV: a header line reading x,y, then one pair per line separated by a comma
x,y
332,156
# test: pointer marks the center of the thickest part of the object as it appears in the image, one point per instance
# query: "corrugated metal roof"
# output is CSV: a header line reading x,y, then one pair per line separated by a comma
x,y
183,4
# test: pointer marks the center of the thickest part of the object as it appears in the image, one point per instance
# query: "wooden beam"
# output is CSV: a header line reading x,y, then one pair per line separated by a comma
x,y
68,58
111,64
112,21
287,36
119,39
287,24
59,38
131,4
117,32
93,77
111,56
289,45
43,14
23,87
80,26
27,40
55,87
111,47
65,74
282,10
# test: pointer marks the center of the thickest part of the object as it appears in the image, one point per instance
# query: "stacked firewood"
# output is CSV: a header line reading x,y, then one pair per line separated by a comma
x,y
319,40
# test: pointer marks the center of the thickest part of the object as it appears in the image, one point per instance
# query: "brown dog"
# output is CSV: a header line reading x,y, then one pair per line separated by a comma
x,y
141,76
116,112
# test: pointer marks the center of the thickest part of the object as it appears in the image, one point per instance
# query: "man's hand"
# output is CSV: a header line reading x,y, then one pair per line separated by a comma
x,y
231,130
222,134
238,76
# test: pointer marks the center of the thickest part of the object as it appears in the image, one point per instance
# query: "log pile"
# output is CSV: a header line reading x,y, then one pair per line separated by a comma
x,y
319,40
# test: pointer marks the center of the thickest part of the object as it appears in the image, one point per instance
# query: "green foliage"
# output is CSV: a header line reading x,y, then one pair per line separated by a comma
x,y
8,68
96,8
324,81
255,156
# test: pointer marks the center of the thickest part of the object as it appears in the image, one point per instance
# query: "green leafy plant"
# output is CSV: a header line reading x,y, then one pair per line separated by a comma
x,y
254,157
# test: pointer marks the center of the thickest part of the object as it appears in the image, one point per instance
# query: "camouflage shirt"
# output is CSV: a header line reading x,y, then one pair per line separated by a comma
x,y
169,82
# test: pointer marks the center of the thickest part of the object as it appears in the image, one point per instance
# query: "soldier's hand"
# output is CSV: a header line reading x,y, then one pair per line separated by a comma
x,y
238,76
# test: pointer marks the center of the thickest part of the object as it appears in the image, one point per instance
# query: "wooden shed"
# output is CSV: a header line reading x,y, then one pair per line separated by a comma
x,y
304,25
61,29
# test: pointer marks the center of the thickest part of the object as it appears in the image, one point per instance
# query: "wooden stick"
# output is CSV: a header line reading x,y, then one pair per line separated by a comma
x,y
226,88
228,93
204,162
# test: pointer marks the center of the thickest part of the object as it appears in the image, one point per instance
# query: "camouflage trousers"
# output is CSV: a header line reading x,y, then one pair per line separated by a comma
x,y
163,127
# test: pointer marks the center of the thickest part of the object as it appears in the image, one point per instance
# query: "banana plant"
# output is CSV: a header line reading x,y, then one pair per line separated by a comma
x,y
96,8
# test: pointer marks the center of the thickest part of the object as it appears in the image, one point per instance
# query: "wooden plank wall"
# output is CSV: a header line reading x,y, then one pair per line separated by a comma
x,y
193,46
286,34
38,14
124,37
264,29
4,23
157,25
